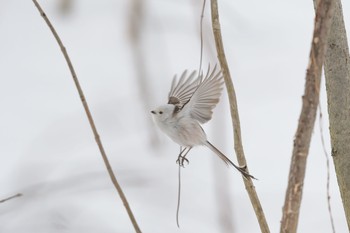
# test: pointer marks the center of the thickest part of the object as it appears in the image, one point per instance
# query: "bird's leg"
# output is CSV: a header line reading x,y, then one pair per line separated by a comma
x,y
182,156
180,159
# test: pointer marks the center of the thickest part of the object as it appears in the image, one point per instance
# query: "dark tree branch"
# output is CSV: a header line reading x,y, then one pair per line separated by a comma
x,y
307,117
9,198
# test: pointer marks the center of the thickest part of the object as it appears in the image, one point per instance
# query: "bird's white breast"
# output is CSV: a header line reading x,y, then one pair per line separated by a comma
x,y
184,131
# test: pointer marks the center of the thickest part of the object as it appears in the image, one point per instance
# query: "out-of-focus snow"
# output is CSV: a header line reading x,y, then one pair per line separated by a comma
x,y
48,152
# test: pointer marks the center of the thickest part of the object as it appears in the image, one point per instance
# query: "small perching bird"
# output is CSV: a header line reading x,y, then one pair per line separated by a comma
x,y
190,104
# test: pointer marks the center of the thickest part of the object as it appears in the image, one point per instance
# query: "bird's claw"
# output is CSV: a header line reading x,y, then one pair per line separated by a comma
x,y
181,159
245,173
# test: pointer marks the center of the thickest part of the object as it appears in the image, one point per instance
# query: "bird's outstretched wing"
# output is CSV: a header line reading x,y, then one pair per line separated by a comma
x,y
182,90
205,97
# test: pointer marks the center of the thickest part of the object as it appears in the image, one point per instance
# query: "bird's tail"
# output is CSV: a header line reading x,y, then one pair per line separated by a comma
x,y
242,170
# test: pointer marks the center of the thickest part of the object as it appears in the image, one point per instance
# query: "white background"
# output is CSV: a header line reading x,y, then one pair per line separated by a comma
x,y
48,153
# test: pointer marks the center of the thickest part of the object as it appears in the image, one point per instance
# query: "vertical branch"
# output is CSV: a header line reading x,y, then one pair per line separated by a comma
x,y
224,203
89,116
337,73
221,190
235,117
307,117
136,18
201,37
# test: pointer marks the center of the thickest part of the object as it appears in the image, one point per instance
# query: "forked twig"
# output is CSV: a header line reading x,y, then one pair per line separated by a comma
x,y
235,117
89,116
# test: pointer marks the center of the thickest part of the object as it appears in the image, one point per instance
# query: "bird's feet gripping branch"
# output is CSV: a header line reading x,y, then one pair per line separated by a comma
x,y
181,159
182,156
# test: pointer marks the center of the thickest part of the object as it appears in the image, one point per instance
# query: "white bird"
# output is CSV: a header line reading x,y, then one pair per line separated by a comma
x,y
190,104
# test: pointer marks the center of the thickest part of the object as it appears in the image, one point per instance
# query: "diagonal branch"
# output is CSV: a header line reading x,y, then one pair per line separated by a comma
x,y
307,117
235,117
89,116
9,198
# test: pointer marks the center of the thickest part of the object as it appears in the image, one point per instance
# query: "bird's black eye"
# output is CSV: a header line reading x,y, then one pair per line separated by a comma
x,y
160,112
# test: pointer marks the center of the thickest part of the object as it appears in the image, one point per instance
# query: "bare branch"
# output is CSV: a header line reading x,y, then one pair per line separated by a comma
x,y
307,117
89,116
337,73
201,37
235,117
135,25
9,198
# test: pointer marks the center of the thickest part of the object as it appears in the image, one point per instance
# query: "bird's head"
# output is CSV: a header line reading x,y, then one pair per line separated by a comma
x,y
163,112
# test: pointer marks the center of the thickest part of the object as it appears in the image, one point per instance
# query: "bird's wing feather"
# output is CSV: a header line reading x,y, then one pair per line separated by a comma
x,y
182,90
205,97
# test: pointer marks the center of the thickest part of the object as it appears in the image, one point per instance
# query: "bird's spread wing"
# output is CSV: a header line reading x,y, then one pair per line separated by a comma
x,y
182,90
205,97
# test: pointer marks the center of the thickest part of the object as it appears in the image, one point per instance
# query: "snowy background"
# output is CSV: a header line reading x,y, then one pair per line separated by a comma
x,y
48,152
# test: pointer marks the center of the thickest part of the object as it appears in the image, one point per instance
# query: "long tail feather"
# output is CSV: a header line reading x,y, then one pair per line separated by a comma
x,y
242,170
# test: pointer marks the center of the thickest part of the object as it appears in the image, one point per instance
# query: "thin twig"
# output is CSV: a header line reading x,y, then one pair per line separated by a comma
x,y
178,195
199,76
89,116
235,117
328,170
307,117
201,37
9,198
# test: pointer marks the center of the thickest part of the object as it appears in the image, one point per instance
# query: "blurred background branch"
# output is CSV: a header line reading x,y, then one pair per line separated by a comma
x,y
235,117
9,198
223,196
136,19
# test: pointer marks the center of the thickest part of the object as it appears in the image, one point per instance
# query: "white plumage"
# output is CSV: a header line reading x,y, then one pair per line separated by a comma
x,y
191,101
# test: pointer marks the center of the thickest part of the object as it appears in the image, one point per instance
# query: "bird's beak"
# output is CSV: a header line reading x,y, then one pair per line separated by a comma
x,y
153,112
